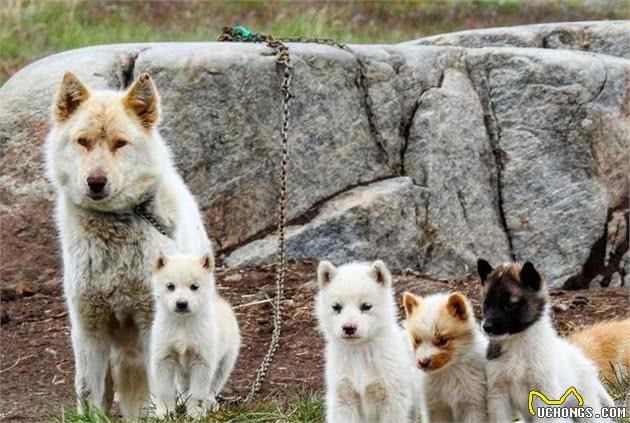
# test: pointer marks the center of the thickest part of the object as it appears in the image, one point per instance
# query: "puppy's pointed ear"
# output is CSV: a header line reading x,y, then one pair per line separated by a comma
x,y
483,269
70,95
381,273
207,262
159,262
457,306
325,273
410,302
530,276
142,101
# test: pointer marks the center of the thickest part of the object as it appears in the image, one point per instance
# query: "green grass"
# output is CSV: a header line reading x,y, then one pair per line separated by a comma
x,y
307,408
619,390
30,29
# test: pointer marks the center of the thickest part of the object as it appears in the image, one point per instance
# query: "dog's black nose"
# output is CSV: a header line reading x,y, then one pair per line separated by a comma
x,y
349,329
97,183
181,305
424,363
488,326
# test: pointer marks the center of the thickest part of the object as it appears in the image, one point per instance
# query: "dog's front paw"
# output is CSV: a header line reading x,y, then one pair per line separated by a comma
x,y
198,408
162,409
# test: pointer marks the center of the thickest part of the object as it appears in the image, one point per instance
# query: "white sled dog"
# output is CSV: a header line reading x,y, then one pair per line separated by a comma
x,y
119,201
195,337
370,375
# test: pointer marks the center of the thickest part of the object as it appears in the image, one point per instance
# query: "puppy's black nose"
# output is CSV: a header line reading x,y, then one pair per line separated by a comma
x,y
424,363
97,183
181,305
488,327
349,329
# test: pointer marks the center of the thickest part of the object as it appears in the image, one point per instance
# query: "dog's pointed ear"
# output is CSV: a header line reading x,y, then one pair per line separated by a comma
x,y
159,262
530,276
325,273
457,306
483,269
142,101
380,273
207,262
410,302
70,95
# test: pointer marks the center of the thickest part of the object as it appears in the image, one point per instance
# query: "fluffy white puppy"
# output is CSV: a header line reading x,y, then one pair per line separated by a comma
x,y
194,338
369,367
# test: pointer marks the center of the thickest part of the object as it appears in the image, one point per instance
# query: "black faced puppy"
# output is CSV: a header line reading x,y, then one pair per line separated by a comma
x,y
525,353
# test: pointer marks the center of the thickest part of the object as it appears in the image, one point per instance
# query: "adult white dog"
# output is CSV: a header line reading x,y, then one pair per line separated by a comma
x,y
119,201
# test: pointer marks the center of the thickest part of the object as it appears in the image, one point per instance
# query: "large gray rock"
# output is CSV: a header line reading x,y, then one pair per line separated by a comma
x,y
426,156
378,220
606,37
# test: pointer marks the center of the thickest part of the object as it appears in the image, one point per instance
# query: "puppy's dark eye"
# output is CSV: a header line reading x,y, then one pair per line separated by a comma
x,y
194,287
170,286
83,142
440,342
119,144
337,308
366,307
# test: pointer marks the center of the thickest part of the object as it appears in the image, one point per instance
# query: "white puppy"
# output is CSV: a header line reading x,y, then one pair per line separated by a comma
x,y
369,368
526,354
194,338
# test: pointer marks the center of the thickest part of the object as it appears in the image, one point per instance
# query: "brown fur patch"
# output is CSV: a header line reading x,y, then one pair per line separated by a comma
x,y
375,393
450,327
410,302
457,306
346,393
607,345
440,359
70,95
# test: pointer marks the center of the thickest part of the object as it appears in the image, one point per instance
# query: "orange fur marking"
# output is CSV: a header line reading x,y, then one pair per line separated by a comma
x,y
607,344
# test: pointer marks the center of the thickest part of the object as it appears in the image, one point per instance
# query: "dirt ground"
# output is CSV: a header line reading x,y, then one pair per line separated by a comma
x,y
36,365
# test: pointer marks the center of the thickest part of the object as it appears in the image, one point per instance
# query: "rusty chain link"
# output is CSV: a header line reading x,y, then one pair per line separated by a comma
x,y
239,34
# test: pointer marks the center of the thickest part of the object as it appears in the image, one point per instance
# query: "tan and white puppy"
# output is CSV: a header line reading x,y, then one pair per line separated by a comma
x,y
369,369
195,336
451,349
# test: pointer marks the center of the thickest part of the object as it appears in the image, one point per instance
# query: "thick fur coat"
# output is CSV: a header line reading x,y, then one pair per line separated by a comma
x,y
527,354
104,157
370,377
195,337
451,349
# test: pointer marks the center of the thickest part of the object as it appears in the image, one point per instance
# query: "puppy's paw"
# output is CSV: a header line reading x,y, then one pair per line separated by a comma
x,y
162,409
198,408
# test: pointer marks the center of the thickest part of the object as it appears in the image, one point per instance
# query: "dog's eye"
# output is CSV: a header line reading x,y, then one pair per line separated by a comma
x,y
194,287
440,342
119,144
170,286
337,307
417,341
83,142
366,307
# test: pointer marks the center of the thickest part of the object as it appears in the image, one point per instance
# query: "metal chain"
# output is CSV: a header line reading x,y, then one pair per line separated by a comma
x,y
282,57
241,34
151,220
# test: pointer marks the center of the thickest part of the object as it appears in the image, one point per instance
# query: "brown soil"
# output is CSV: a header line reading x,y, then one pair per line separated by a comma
x,y
36,365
